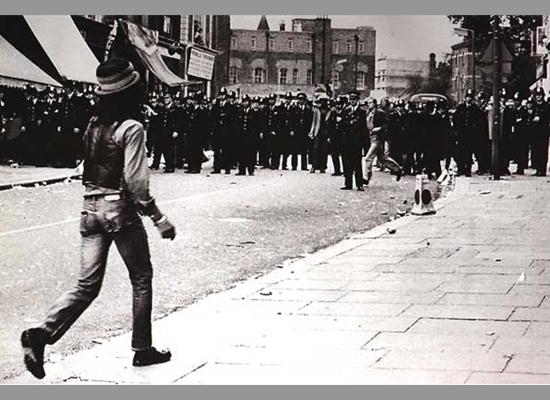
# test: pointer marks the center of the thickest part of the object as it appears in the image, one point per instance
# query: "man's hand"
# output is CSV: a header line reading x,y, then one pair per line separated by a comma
x,y
166,229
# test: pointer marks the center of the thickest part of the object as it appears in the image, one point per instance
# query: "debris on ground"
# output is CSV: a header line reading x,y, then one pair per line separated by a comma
x,y
391,231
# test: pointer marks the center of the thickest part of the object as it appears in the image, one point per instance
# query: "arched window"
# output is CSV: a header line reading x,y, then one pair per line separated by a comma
x,y
259,75
282,76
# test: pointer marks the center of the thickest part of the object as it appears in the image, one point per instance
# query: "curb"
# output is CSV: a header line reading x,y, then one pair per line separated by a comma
x,y
41,182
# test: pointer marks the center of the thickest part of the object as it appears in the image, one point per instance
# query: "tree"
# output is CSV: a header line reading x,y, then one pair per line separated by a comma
x,y
438,82
516,34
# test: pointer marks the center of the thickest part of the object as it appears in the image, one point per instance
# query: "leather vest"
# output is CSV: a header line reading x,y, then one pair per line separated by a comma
x,y
103,158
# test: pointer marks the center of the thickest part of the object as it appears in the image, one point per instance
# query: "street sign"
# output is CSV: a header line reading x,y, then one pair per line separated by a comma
x,y
462,32
487,57
201,64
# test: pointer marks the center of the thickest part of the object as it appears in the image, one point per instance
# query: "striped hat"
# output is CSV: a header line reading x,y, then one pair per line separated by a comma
x,y
115,75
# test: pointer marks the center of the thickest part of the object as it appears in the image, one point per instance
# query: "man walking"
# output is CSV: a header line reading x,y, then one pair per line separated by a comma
x,y
116,190
377,124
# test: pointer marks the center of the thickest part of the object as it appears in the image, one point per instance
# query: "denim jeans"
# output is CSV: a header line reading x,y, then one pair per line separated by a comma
x,y
377,149
101,223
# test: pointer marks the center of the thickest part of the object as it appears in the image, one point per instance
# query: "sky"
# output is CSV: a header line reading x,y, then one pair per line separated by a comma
x,y
410,36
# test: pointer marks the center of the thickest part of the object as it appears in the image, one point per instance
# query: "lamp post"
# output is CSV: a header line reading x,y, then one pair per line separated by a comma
x,y
497,76
356,38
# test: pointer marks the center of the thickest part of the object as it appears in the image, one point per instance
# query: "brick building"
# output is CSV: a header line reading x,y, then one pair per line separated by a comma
x,y
310,53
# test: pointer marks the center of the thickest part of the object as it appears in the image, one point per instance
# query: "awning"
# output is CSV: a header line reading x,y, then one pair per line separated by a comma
x,y
17,70
145,42
65,46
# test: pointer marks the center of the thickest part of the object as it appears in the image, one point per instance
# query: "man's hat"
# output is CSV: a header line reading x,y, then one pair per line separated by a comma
x,y
441,104
354,94
115,75
288,96
245,98
232,95
400,103
223,92
342,100
539,91
470,93
301,96
272,96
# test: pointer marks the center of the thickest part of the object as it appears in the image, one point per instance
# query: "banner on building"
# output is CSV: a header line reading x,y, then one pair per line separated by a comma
x,y
201,64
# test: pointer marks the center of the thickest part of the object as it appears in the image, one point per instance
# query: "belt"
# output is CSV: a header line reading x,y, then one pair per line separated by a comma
x,y
105,196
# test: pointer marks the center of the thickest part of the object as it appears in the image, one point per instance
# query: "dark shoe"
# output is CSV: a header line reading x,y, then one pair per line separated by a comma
x,y
169,170
367,181
150,357
360,189
154,167
293,168
33,348
240,173
336,174
322,171
216,171
227,172
398,175
346,188
312,171
285,168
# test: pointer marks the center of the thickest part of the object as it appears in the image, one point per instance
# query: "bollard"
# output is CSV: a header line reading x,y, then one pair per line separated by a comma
x,y
423,204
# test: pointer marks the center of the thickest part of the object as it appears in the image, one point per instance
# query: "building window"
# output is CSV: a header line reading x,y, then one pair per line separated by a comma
x,y
335,46
271,43
361,47
295,75
308,45
259,75
233,42
360,80
348,46
336,79
309,77
253,43
167,25
290,45
282,76
233,75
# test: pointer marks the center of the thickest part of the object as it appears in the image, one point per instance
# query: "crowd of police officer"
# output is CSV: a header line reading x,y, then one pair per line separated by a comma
x,y
44,128
290,132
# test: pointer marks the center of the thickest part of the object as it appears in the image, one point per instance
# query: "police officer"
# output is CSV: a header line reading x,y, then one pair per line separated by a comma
x,y
335,134
286,128
523,134
300,142
540,133
223,117
268,151
469,124
396,132
169,131
198,131
248,131
354,130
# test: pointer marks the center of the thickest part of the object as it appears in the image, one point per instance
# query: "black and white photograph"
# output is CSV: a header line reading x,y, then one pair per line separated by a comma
x,y
274,199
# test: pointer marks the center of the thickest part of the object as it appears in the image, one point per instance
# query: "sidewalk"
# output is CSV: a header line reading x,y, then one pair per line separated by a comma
x,y
31,176
462,296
